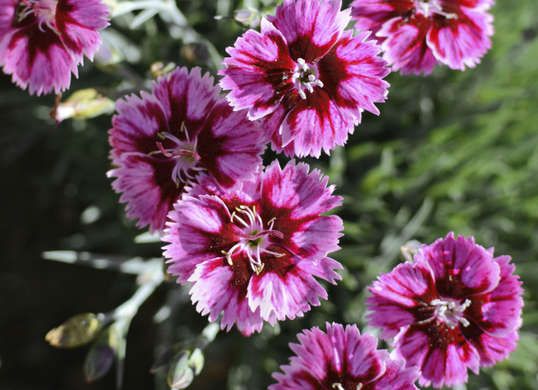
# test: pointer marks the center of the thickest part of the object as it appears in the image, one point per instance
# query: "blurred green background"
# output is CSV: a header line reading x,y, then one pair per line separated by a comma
x,y
451,152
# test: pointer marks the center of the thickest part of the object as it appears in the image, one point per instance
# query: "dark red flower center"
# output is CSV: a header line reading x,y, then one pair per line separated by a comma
x,y
43,10
305,78
183,152
254,238
430,8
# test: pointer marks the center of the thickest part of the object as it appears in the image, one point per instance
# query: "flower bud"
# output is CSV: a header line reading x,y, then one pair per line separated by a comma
x,y
83,104
76,331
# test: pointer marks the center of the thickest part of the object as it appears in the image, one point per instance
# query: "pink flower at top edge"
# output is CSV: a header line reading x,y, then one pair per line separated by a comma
x,y
43,41
164,140
252,252
342,359
306,76
418,34
456,307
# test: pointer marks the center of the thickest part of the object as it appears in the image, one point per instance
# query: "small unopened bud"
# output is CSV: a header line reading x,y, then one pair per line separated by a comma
x,y
248,17
194,53
409,249
83,104
159,69
102,354
180,374
76,331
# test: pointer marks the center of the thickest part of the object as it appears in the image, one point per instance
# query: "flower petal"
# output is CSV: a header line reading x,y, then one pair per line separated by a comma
x,y
396,296
214,294
192,231
294,188
282,296
230,145
311,27
371,14
464,41
405,45
79,23
254,72
460,266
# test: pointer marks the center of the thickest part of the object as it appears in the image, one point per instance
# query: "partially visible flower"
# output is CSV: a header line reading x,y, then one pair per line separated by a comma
x,y
305,75
342,359
417,34
456,307
163,140
43,41
252,252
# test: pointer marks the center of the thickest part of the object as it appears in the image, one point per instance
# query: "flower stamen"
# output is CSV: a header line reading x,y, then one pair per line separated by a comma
x,y
254,239
183,152
43,10
305,77
433,7
451,312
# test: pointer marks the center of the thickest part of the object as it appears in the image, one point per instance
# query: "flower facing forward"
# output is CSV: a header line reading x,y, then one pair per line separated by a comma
x,y
43,41
417,34
306,76
252,251
456,307
163,140
341,359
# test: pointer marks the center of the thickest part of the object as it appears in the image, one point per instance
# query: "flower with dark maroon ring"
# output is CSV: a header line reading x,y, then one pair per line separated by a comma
x,y
342,359
253,252
43,41
417,34
164,140
306,76
456,307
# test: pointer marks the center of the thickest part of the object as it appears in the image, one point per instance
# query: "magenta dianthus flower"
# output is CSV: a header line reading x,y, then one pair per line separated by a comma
x,y
164,140
43,41
417,34
306,76
456,307
252,252
342,359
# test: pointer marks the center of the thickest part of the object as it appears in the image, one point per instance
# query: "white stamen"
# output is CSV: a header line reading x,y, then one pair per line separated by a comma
x,y
183,152
255,239
305,77
433,7
451,312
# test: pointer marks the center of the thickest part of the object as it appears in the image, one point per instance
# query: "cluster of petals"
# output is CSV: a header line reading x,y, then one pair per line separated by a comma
x,y
164,140
456,307
417,34
341,358
42,42
252,252
306,76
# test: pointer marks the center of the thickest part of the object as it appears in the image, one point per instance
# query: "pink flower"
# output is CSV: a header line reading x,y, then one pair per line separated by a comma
x,y
163,140
43,41
306,76
341,359
253,252
456,307
416,34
